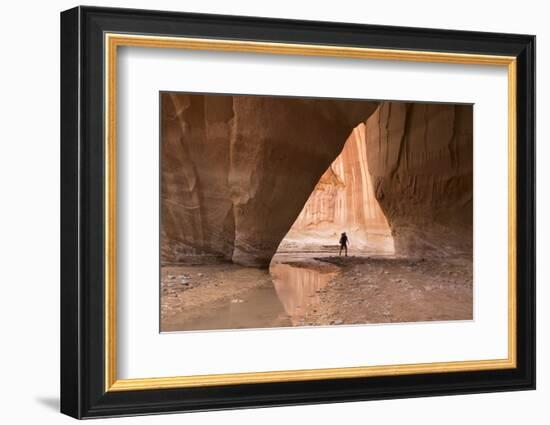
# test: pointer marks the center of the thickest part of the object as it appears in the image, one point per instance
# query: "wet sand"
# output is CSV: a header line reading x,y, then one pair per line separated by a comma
x,y
311,289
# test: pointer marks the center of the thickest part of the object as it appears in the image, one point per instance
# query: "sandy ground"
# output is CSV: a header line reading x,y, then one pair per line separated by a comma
x,y
311,290
382,290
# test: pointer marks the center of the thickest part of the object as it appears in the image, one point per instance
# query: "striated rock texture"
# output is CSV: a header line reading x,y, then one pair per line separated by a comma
x,y
421,163
343,201
237,170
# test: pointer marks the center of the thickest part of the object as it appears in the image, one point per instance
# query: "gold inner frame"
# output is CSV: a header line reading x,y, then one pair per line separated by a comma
x,y
113,41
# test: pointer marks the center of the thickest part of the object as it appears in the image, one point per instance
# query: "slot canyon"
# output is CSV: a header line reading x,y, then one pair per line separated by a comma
x,y
254,182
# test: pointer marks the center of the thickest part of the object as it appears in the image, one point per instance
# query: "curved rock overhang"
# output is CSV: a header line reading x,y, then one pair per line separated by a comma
x,y
237,171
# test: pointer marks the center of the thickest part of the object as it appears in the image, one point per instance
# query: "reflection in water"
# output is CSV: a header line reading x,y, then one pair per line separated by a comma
x,y
298,288
281,299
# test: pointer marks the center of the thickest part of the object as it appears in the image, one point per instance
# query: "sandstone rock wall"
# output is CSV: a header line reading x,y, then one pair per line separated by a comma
x,y
237,170
420,160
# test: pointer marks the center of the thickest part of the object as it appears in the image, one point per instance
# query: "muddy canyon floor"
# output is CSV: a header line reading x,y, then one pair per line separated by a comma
x,y
316,289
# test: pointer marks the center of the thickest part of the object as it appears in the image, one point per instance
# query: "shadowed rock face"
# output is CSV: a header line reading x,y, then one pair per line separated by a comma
x,y
237,170
420,160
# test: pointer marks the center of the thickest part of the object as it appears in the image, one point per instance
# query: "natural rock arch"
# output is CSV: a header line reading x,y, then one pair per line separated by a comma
x,y
237,170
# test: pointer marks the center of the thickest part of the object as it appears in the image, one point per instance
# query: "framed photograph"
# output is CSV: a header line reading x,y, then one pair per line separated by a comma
x,y
261,212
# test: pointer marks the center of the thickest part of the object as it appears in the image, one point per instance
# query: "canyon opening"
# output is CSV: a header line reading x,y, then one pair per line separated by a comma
x,y
289,211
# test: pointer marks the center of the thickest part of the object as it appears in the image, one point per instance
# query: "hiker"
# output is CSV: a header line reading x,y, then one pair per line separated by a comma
x,y
344,243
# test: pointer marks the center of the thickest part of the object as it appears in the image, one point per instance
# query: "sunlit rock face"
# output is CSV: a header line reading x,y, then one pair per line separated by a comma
x,y
237,170
420,160
343,201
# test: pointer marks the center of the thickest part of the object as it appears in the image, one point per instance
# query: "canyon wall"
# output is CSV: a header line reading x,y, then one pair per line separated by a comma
x,y
237,170
421,164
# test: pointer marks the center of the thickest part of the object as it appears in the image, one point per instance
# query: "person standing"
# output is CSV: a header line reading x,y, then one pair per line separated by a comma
x,y
344,243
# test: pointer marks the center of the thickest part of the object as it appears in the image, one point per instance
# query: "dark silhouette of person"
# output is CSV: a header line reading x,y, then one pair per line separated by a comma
x,y
344,243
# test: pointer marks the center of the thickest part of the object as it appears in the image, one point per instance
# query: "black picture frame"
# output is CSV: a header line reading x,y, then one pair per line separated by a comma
x,y
83,392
